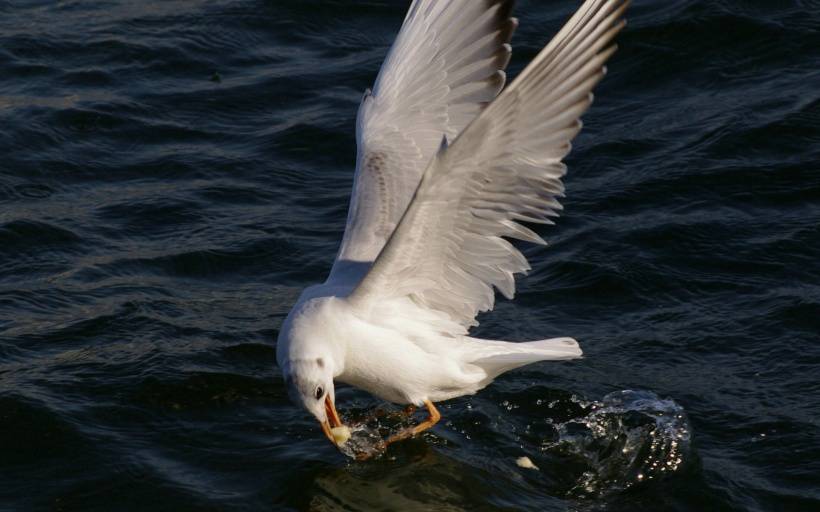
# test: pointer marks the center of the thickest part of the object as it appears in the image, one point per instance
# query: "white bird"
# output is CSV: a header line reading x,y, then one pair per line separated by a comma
x,y
447,168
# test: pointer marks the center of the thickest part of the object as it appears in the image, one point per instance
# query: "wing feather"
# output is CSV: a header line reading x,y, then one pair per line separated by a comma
x,y
449,252
445,66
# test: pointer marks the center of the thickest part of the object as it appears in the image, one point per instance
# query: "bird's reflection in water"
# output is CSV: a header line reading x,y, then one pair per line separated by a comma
x,y
415,476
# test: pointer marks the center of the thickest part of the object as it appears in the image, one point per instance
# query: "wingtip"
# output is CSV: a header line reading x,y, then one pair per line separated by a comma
x,y
507,29
505,7
498,79
608,52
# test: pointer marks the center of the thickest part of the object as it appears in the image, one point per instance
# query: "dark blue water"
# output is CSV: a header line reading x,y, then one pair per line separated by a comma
x,y
173,173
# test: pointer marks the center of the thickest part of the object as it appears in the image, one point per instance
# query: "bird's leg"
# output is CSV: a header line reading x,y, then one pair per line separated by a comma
x,y
381,413
404,413
421,427
409,410
408,432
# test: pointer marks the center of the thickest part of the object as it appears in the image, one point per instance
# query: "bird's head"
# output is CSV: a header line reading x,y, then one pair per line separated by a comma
x,y
310,356
310,385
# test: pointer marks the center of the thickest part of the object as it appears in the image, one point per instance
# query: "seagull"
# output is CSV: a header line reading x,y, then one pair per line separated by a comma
x,y
450,167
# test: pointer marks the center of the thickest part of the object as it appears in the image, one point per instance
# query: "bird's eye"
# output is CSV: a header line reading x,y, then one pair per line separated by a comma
x,y
320,392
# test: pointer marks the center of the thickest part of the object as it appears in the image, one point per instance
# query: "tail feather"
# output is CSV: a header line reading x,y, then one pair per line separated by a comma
x,y
497,357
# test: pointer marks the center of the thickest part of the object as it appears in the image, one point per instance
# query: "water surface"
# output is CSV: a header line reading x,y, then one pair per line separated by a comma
x,y
174,173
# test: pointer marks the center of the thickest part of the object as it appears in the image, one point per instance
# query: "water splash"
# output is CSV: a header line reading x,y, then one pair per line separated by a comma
x,y
369,430
626,439
596,448
365,442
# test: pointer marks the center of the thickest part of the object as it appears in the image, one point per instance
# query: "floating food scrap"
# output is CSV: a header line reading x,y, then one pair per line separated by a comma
x,y
526,463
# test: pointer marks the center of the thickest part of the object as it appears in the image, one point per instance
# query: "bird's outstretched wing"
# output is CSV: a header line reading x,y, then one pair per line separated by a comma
x,y
446,65
448,251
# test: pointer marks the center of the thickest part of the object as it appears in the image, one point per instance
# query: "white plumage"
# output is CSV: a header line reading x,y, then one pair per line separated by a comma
x,y
445,65
447,171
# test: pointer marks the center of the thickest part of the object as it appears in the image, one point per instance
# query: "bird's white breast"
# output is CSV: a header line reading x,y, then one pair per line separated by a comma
x,y
405,362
